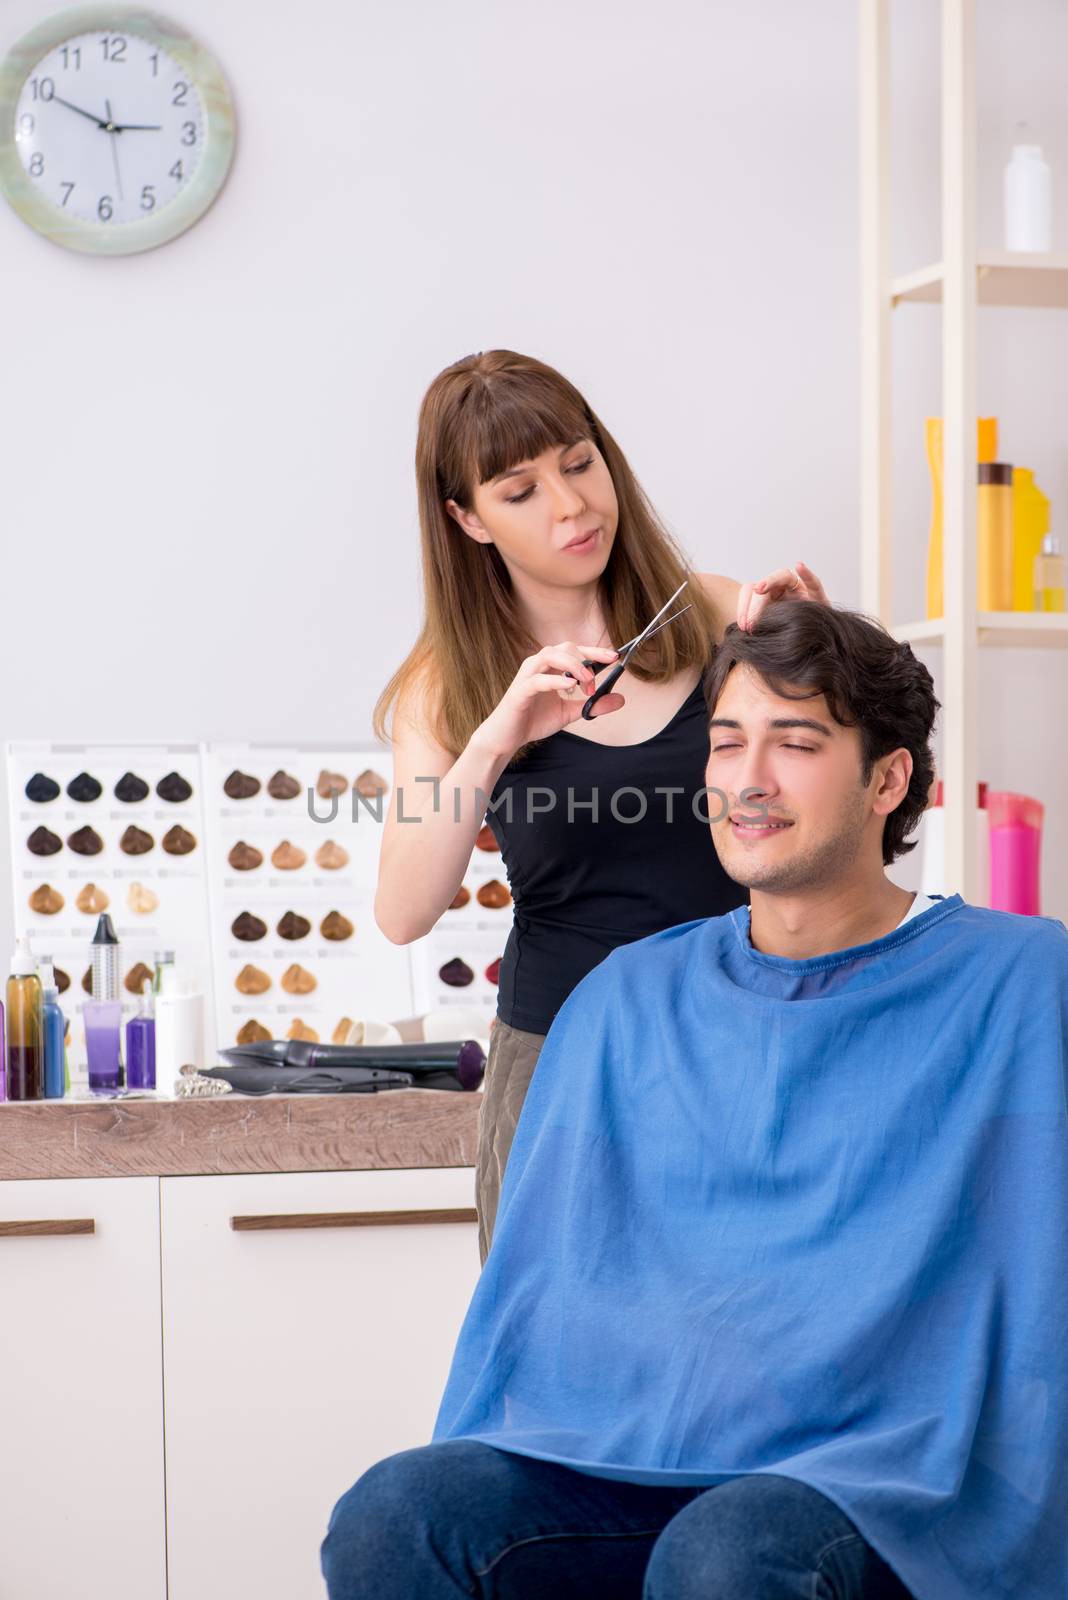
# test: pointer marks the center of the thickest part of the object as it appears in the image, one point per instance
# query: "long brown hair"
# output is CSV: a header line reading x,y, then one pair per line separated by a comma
x,y
479,417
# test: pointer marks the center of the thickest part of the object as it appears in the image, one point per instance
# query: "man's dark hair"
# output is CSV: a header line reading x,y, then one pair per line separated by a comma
x,y
869,681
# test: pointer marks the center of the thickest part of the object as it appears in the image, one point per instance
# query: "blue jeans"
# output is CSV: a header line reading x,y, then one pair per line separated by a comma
x,y
458,1518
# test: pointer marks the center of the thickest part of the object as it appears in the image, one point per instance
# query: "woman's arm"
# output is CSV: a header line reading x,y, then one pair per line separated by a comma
x,y
743,602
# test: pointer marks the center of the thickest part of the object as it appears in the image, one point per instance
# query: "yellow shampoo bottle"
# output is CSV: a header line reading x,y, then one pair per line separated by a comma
x,y
987,444
1030,524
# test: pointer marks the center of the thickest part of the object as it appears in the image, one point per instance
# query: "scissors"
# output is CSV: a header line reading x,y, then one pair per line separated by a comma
x,y
627,650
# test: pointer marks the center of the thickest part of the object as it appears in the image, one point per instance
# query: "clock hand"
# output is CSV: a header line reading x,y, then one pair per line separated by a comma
x,y
137,127
90,114
114,148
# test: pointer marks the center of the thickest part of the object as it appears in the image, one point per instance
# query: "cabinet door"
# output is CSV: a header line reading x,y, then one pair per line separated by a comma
x,y
296,1354
81,1395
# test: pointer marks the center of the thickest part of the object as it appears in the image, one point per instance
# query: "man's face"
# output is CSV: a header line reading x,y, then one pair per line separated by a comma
x,y
806,817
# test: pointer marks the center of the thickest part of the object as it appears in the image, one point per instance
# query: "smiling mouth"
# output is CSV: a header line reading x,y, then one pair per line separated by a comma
x,y
758,830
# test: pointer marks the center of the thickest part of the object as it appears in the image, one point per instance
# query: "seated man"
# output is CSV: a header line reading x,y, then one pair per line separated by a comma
x,y
777,1304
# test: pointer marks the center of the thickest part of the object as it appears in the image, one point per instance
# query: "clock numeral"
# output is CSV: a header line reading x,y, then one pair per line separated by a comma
x,y
148,197
114,47
189,133
104,208
72,52
70,190
43,88
36,164
154,58
26,123
181,92
176,172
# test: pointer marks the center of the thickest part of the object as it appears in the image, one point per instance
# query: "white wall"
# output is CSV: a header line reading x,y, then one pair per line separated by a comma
x,y
209,515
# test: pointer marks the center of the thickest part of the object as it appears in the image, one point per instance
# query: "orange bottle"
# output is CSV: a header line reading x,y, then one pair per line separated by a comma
x,y
987,444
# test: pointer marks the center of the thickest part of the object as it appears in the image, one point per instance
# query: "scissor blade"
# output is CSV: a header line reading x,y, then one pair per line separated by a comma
x,y
648,630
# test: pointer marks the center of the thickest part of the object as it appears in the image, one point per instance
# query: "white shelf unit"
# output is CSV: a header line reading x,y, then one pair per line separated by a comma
x,y
963,280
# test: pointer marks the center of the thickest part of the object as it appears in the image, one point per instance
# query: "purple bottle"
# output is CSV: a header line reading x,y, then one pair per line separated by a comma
x,y
3,1058
141,1045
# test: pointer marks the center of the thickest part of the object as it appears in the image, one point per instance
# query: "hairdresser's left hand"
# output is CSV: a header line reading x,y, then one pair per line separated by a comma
x,y
779,585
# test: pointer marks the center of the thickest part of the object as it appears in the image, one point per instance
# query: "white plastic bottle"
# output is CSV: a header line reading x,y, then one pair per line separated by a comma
x,y
932,835
1028,204
179,1029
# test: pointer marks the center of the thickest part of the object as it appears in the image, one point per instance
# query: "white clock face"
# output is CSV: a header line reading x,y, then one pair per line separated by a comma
x,y
109,128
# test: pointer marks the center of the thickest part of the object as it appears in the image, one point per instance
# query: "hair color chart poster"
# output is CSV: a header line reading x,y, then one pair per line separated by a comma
x,y
293,836
457,963
115,828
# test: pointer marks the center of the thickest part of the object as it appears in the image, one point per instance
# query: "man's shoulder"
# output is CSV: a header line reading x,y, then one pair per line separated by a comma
x,y
671,945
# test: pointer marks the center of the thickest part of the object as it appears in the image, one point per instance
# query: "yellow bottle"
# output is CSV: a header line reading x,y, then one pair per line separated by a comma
x,y
1030,524
987,442
994,516
1049,576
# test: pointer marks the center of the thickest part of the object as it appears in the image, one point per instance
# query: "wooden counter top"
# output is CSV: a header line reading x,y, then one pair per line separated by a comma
x,y
237,1133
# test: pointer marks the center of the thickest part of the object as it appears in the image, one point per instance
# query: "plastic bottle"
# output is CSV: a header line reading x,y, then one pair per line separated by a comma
x,y
54,1026
987,444
25,1048
1030,524
3,1057
103,1013
1028,204
995,536
933,848
1015,848
179,1027
1049,576
141,1045
160,959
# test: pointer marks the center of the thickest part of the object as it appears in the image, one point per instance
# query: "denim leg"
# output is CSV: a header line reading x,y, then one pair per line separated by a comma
x,y
766,1537
459,1518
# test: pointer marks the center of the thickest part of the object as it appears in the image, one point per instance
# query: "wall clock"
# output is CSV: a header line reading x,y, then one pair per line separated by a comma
x,y
116,129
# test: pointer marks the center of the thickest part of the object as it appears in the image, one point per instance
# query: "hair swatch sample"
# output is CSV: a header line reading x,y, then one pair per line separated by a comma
x,y
245,857
341,1033
456,973
293,926
46,901
493,971
493,895
41,788
253,1032
174,788
131,789
136,842
241,785
137,977
62,979
85,842
330,783
247,927
331,857
461,898
486,838
92,900
85,787
287,858
178,841
252,980
87,980
335,927
280,786
141,900
42,842
298,980
370,783
300,1030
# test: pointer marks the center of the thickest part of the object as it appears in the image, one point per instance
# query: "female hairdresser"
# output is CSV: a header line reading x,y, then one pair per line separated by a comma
x,y
539,552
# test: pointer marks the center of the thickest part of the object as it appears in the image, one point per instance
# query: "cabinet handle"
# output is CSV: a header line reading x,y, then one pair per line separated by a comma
x,y
38,1230
351,1219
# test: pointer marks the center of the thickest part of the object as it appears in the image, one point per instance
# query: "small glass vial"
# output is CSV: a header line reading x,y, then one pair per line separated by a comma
x,y
1049,575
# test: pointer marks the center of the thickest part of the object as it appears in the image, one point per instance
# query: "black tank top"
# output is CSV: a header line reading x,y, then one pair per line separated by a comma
x,y
581,887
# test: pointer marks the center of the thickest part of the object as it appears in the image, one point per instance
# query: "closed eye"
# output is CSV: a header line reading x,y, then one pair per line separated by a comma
x,y
808,749
517,499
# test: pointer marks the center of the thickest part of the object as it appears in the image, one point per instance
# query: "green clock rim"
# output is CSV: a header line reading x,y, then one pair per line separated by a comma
x,y
126,238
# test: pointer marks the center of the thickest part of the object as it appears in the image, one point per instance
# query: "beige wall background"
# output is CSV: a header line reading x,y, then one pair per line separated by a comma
x,y
209,517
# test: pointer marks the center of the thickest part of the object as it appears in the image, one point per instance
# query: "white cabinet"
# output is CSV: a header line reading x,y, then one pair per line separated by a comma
x,y
81,1455
300,1346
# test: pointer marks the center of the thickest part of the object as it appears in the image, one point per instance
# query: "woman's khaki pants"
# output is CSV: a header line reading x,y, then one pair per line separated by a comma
x,y
510,1065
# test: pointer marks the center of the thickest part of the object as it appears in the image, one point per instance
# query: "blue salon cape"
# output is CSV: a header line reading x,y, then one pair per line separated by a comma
x,y
807,1218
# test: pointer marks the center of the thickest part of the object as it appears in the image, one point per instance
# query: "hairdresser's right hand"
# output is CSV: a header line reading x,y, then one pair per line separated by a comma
x,y
541,698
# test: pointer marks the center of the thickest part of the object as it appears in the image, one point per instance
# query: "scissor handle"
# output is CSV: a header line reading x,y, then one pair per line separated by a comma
x,y
603,688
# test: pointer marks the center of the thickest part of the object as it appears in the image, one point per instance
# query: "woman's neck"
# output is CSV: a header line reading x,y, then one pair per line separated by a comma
x,y
553,613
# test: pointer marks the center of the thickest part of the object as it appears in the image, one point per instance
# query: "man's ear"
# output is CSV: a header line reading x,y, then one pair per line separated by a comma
x,y
468,522
894,786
